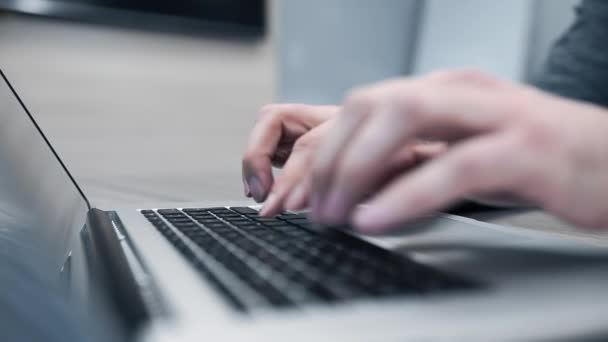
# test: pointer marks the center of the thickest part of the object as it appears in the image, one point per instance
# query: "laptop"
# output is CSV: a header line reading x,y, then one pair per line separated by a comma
x,y
220,271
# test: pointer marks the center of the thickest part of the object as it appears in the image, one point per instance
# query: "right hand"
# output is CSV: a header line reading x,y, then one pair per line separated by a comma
x,y
286,136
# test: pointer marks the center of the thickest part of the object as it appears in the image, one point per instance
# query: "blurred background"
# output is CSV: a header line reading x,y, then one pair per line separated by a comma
x,y
154,100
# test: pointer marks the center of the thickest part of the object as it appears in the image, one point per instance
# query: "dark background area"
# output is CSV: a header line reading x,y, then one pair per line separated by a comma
x,y
234,17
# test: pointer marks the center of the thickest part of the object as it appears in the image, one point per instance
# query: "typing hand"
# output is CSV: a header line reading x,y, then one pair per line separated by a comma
x,y
504,138
285,135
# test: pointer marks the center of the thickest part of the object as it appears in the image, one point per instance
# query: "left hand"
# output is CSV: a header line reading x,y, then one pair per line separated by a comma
x,y
504,138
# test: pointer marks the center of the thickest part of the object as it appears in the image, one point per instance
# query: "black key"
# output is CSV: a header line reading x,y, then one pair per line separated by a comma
x,y
208,220
178,214
186,225
286,215
266,289
174,216
228,214
274,296
275,224
246,245
252,228
205,214
237,220
176,220
266,219
215,225
245,210
342,288
291,216
298,221
220,210
229,234
200,236
168,211
265,234
194,210
217,209
320,291
154,219
296,233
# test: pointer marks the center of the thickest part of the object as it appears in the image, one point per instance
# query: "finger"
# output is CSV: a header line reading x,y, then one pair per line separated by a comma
x,y
354,175
417,110
257,168
246,189
299,199
295,170
277,122
293,173
399,163
480,165
357,107
349,119
300,196
430,150
403,161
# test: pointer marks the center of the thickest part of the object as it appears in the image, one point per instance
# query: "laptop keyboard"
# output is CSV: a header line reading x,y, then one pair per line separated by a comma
x,y
282,262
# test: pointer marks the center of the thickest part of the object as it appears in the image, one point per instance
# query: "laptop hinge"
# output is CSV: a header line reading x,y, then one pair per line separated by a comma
x,y
112,273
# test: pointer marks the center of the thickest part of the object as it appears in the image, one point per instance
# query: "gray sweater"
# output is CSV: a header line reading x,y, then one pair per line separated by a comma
x,y
577,66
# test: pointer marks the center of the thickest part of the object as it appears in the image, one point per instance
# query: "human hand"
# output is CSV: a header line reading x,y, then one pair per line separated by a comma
x,y
283,136
504,138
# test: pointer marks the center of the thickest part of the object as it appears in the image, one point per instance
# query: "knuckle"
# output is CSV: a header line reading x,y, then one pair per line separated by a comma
x,y
536,137
305,142
471,76
410,105
439,75
410,101
469,167
269,109
248,156
359,98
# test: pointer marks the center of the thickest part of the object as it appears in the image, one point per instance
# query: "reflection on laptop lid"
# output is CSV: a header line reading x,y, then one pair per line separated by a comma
x,y
36,190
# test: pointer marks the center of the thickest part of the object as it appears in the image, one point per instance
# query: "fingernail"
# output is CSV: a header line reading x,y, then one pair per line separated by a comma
x,y
269,204
256,189
295,199
335,210
246,189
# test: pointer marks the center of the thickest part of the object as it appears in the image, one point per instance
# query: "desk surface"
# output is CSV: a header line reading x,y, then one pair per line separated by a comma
x,y
139,115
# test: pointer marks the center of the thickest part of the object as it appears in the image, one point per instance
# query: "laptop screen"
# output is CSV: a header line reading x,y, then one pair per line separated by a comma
x,y
40,206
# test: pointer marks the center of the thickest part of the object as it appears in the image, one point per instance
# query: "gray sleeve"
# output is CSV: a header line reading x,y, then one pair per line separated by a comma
x,y
577,66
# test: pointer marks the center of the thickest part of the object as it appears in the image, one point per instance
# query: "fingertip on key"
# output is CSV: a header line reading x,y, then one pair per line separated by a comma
x,y
257,190
270,207
369,219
